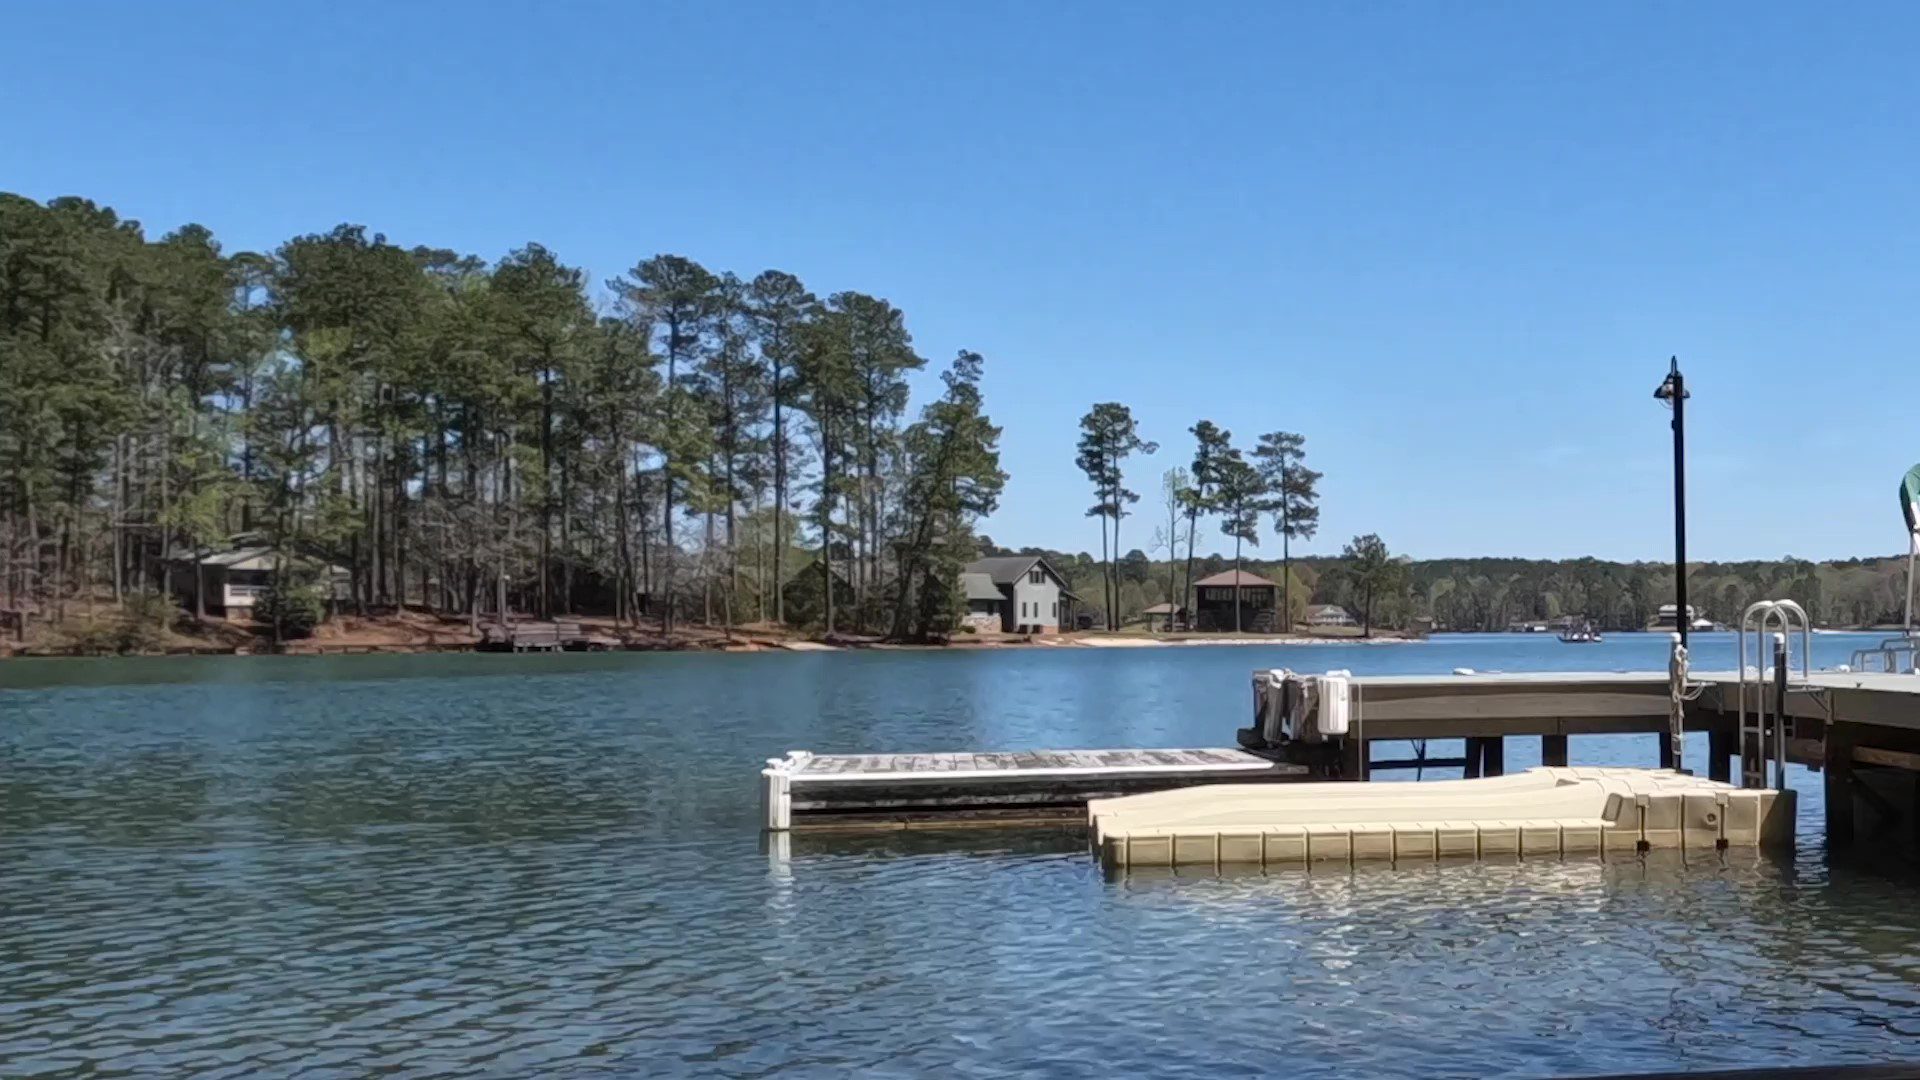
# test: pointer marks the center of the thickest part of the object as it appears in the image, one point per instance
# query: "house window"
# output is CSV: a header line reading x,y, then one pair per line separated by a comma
x,y
1037,576
1056,611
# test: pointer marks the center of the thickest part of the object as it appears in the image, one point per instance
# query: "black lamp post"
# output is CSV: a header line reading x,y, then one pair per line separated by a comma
x,y
1673,391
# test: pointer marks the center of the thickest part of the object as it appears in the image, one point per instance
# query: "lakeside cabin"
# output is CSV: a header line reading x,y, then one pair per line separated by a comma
x,y
237,575
1329,615
1258,601
1666,618
1016,594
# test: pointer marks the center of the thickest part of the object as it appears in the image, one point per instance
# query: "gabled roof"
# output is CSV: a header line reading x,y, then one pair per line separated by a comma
x,y
244,558
1009,569
1236,577
980,587
247,557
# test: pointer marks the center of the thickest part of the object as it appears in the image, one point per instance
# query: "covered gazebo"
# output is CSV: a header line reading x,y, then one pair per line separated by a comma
x,y
1166,617
1236,600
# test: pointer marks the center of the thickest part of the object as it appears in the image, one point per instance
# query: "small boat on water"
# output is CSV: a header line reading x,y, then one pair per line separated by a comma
x,y
1584,634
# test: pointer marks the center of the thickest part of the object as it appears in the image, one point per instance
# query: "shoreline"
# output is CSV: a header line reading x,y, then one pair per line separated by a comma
x,y
418,634
421,635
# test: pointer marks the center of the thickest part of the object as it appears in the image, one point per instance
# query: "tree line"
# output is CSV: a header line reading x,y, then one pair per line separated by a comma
x,y
474,437
1271,483
1224,482
1493,594
1497,594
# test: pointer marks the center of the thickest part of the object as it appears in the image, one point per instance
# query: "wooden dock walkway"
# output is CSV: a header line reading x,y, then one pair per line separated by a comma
x,y
1555,705
869,791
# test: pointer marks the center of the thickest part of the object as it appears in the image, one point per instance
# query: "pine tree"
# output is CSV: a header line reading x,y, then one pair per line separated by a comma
x,y
1240,496
954,479
1294,499
672,297
780,307
1211,444
1108,436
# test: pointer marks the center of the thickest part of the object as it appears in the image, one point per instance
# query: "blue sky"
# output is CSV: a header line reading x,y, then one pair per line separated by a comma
x,y
1453,245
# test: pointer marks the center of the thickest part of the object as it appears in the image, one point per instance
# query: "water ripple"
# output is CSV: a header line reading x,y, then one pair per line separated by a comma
x,y
337,870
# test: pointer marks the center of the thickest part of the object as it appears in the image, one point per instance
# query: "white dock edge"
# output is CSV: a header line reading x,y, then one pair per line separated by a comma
x,y
1555,811
776,789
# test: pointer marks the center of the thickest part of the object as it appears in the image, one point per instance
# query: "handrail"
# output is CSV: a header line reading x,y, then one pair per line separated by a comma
x,y
1760,617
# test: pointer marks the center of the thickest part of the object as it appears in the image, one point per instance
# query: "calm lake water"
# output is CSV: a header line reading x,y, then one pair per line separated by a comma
x,y
550,865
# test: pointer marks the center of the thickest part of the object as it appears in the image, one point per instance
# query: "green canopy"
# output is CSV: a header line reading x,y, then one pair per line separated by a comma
x,y
1910,503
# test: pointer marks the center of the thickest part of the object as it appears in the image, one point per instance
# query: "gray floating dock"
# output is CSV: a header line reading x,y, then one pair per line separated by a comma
x,y
892,791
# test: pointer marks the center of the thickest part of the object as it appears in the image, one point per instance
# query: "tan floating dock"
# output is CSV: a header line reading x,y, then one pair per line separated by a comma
x,y
1549,811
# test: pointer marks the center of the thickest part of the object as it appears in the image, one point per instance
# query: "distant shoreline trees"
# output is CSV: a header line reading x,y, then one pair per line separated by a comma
x,y
469,437
478,438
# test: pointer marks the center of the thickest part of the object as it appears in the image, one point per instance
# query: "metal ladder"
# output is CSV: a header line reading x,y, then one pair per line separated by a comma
x,y
1763,692
1893,656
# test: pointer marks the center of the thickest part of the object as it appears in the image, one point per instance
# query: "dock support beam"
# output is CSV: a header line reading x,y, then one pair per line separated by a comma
x,y
1493,756
1354,758
1720,755
1666,750
1553,749
1486,756
1837,772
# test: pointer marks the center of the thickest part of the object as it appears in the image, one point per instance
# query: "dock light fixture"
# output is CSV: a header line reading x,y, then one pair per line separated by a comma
x,y
1673,391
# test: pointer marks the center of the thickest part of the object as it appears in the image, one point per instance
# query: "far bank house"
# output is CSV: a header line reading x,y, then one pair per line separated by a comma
x,y
1016,594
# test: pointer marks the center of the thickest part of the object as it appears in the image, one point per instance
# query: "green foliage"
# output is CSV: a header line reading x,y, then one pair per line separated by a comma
x,y
1489,594
954,478
1371,572
1239,495
292,608
462,435
140,626
779,306
1211,445
805,596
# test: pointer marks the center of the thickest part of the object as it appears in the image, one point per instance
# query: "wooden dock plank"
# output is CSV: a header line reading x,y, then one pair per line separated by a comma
x,y
1035,762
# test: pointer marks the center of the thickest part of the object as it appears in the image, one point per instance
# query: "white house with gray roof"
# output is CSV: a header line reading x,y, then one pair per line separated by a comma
x,y
237,574
1016,594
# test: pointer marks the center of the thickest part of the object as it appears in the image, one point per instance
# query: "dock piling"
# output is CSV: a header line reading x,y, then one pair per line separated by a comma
x,y
1837,775
1720,755
1354,758
1553,749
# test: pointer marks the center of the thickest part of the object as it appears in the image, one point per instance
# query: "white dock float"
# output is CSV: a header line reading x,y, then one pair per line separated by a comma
x,y
1549,811
855,791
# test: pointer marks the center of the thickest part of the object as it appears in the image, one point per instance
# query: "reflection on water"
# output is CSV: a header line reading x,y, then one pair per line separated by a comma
x,y
506,866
